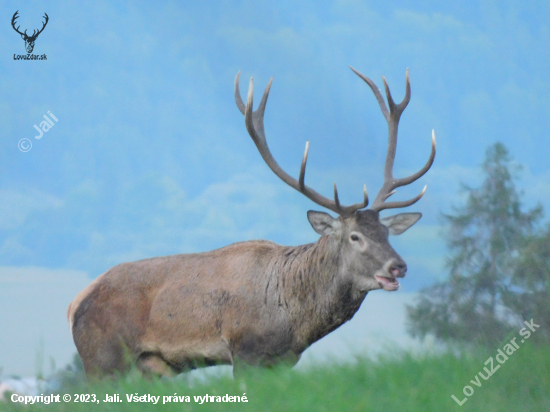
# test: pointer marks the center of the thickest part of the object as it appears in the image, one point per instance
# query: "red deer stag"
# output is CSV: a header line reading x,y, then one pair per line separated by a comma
x,y
250,303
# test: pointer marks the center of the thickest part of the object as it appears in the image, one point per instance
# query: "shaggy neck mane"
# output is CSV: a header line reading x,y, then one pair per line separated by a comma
x,y
313,289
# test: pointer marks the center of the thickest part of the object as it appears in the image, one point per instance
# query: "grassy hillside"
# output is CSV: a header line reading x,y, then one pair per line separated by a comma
x,y
398,383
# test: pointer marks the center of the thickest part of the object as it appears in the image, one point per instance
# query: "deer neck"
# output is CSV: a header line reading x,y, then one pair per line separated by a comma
x,y
316,290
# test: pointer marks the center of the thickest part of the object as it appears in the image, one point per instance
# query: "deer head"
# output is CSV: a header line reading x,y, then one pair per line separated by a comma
x,y
361,235
29,40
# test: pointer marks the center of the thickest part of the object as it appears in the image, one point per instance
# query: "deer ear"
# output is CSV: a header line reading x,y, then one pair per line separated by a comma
x,y
322,222
401,222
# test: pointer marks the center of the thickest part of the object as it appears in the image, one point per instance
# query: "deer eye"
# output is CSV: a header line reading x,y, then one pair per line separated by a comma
x,y
355,238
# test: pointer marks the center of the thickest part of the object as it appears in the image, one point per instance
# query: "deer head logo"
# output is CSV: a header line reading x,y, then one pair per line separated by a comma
x,y
29,40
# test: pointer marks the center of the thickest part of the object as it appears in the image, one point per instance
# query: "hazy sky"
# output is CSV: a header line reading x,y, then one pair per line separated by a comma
x,y
150,155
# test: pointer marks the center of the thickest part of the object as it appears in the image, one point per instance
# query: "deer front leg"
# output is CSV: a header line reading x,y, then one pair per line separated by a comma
x,y
153,364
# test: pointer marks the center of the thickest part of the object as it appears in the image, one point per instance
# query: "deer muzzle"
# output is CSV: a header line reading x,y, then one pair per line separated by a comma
x,y
387,277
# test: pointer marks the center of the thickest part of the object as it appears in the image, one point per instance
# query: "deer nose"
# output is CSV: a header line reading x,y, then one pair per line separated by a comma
x,y
398,269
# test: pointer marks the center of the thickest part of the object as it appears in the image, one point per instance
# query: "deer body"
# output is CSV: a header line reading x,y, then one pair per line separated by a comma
x,y
250,303
255,301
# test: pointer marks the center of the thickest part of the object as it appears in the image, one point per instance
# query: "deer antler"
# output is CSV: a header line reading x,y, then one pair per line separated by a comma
x,y
392,117
34,33
43,26
254,121
15,17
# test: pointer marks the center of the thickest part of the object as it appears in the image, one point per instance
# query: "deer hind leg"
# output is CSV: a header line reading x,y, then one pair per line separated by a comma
x,y
100,359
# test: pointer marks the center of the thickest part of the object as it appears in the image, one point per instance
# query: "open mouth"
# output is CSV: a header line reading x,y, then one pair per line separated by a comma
x,y
389,284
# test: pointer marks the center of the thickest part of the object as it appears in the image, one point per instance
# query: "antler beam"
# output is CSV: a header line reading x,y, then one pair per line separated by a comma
x,y
254,121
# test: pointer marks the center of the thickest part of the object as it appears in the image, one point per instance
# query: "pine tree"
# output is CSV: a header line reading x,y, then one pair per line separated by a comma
x,y
530,292
485,238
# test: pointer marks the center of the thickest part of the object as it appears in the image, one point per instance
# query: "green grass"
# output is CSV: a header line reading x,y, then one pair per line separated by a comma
x,y
399,383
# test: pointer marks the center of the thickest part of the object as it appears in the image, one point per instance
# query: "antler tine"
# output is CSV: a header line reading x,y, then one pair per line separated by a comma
x,y
303,168
391,103
365,195
376,92
415,176
404,203
238,99
393,116
254,121
336,199
404,103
